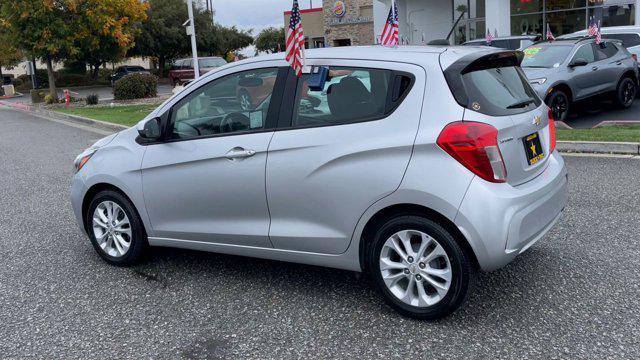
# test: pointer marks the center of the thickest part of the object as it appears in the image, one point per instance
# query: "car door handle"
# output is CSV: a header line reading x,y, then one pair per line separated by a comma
x,y
618,62
594,68
239,153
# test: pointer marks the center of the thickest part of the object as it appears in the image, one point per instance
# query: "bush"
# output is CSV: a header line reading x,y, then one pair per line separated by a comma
x,y
92,99
50,99
135,86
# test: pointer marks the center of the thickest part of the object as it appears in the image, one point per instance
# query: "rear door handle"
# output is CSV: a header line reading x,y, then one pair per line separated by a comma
x,y
239,153
594,68
618,62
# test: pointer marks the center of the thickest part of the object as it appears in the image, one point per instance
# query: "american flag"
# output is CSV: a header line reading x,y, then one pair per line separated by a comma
x,y
390,32
550,36
489,37
598,34
593,28
295,40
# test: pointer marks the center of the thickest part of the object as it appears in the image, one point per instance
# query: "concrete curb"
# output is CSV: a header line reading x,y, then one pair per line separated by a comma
x,y
595,147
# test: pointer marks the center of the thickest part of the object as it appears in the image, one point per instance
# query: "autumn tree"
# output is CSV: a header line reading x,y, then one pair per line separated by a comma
x,y
108,29
270,40
9,54
56,30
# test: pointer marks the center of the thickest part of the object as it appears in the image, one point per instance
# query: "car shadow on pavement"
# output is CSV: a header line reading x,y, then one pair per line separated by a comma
x,y
516,288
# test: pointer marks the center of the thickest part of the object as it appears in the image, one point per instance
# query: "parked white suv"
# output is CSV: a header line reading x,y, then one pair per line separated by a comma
x,y
628,35
415,165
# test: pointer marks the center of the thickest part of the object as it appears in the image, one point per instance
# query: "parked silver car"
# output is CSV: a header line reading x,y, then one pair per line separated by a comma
x,y
416,171
628,35
568,70
516,42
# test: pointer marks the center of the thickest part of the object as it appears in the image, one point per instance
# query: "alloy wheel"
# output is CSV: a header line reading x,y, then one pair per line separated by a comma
x,y
112,229
560,106
415,268
628,93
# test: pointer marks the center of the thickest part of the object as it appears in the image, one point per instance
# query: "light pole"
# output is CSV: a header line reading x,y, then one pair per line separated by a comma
x,y
191,30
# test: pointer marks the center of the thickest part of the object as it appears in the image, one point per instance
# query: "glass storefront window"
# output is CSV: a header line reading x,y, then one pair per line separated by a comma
x,y
526,24
616,15
476,9
566,22
477,30
526,6
564,4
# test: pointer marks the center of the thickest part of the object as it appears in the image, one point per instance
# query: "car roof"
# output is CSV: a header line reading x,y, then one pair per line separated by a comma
x,y
513,37
612,30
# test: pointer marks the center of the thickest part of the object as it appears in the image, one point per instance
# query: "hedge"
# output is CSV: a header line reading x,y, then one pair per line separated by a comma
x,y
136,86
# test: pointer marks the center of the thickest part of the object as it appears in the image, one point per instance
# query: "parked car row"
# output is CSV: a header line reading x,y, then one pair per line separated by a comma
x,y
182,71
574,68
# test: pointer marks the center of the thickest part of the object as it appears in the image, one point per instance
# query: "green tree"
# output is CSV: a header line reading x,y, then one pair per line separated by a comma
x,y
162,36
270,40
231,39
10,56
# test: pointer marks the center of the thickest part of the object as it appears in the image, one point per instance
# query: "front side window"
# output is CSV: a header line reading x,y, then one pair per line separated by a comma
x,y
349,95
585,52
234,103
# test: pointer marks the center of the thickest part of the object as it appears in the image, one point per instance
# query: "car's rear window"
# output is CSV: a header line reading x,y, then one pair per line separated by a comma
x,y
499,91
545,56
209,63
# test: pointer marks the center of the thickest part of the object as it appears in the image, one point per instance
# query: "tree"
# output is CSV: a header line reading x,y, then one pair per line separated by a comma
x,y
231,39
270,40
10,56
108,29
42,28
162,36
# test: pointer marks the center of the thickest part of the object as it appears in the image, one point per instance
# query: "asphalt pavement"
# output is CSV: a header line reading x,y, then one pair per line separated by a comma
x,y
575,294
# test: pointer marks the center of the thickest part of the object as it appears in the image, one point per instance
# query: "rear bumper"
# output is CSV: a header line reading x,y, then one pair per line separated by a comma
x,y
501,221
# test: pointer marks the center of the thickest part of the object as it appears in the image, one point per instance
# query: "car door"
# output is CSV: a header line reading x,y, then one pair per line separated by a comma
x,y
339,150
611,66
583,79
206,180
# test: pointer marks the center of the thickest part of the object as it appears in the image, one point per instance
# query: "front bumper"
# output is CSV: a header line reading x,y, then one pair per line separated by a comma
x,y
501,221
78,190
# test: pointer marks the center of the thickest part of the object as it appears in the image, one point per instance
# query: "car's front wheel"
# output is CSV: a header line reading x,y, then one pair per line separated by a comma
x,y
115,228
559,103
419,267
625,93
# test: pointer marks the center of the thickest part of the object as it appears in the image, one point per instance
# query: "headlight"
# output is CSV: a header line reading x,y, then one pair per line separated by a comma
x,y
538,81
82,159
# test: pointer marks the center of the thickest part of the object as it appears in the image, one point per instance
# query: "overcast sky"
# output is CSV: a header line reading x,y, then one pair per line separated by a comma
x,y
255,14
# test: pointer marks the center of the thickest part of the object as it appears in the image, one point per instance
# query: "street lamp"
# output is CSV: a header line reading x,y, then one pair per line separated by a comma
x,y
191,31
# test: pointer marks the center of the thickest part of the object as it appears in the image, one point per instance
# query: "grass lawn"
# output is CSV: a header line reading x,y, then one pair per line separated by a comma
x,y
620,133
127,115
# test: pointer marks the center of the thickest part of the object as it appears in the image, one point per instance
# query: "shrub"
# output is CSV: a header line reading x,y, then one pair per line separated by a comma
x,y
17,82
50,99
135,86
37,95
92,99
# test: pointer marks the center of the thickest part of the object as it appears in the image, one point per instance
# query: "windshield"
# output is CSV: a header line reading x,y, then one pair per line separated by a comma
x,y
545,56
209,63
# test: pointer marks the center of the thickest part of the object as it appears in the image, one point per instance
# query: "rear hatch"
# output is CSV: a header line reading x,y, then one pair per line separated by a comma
x,y
493,89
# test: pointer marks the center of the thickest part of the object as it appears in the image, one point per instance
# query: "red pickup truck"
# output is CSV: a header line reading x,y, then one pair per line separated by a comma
x,y
181,71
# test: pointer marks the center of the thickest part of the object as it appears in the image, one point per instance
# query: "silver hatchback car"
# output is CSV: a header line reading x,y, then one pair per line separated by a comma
x,y
415,165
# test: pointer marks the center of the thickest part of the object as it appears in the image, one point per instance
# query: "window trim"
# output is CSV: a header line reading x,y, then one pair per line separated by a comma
x,y
269,125
285,121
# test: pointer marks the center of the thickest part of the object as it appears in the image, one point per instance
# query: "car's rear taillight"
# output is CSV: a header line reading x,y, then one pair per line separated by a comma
x,y
552,132
475,145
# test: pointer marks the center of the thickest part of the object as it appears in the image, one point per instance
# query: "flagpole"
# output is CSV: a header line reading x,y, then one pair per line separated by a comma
x,y
191,30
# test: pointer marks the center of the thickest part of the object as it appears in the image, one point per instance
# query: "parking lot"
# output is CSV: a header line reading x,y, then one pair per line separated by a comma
x,y
576,294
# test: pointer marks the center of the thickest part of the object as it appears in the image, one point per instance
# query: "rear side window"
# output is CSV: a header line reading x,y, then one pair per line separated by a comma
x,y
628,40
349,95
499,91
501,44
605,50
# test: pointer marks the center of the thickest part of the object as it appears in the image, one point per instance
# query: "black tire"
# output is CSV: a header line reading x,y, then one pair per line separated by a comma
x,y
461,267
559,102
625,93
138,239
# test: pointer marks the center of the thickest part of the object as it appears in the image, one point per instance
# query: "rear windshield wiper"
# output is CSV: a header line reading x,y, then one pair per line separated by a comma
x,y
521,104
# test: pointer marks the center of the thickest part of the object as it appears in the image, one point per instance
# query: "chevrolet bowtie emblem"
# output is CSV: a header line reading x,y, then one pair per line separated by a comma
x,y
537,120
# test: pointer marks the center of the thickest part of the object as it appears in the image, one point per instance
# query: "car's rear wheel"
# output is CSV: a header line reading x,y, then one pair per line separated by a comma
x,y
115,228
559,103
625,93
419,267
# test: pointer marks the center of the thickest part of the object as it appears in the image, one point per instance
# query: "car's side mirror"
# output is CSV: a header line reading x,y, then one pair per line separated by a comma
x,y
578,62
151,130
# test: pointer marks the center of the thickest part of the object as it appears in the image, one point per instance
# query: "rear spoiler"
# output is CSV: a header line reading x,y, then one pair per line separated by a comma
x,y
476,61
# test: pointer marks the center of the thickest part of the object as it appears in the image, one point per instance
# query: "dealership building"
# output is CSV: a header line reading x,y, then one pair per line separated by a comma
x,y
360,22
